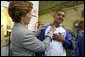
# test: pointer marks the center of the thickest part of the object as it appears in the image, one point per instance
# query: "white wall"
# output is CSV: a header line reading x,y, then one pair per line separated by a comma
x,y
33,21
4,3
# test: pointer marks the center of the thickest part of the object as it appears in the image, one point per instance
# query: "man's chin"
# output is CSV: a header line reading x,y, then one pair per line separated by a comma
x,y
59,22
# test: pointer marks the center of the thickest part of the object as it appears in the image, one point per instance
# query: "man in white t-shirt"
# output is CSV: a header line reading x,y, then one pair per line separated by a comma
x,y
56,47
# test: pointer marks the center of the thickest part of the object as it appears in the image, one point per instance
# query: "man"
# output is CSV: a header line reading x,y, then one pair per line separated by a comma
x,y
57,46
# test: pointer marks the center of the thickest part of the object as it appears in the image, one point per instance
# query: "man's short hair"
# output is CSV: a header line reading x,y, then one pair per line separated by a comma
x,y
59,10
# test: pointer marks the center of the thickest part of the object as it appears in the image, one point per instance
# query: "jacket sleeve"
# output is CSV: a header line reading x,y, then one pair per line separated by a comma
x,y
30,42
68,43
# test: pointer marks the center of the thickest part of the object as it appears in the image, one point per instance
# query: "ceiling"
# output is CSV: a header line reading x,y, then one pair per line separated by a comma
x,y
46,6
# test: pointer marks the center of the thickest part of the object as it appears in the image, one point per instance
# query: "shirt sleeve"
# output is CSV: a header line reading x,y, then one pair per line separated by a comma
x,y
30,42
68,43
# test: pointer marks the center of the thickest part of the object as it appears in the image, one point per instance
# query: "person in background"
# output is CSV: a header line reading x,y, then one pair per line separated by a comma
x,y
39,25
75,32
79,41
24,42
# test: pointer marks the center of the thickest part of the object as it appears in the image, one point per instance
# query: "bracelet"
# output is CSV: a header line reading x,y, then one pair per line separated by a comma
x,y
49,37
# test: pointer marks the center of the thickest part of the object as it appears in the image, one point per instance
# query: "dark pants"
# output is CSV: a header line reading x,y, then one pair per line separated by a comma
x,y
68,52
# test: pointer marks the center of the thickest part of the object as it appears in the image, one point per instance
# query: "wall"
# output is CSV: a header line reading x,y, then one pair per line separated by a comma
x,y
71,14
46,18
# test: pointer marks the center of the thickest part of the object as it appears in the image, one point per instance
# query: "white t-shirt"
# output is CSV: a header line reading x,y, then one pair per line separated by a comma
x,y
56,48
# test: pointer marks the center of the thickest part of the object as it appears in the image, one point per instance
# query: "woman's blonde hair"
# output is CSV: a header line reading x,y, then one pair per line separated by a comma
x,y
19,8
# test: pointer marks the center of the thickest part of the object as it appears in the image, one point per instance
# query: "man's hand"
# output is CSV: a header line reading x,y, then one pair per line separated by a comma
x,y
59,37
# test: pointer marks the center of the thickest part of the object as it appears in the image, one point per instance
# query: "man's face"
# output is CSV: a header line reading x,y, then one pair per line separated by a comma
x,y
58,17
82,26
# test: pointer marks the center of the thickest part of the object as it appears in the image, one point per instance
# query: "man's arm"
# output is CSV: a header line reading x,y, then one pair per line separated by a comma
x,y
68,43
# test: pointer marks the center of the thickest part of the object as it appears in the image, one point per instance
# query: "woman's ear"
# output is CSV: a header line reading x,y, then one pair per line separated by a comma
x,y
22,18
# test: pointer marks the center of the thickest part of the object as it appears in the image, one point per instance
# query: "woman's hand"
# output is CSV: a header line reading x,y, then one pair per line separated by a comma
x,y
53,28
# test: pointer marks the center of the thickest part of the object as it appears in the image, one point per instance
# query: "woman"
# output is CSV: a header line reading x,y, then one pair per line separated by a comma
x,y
24,42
